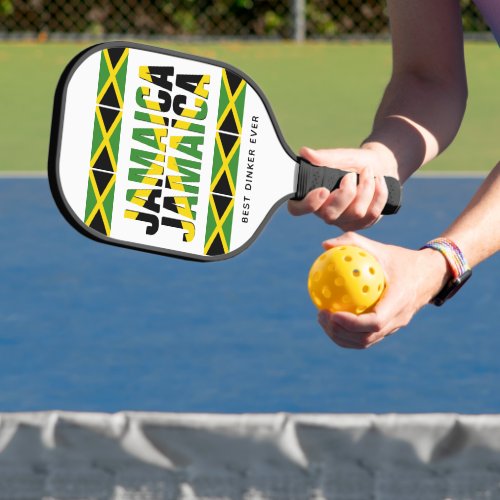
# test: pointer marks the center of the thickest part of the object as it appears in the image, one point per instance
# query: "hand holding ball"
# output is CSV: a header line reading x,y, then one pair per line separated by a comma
x,y
346,278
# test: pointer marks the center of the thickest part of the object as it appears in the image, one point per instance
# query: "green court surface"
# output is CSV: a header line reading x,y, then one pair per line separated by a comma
x,y
323,94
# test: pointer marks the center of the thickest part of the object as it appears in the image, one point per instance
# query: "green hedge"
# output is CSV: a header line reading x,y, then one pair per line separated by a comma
x,y
238,18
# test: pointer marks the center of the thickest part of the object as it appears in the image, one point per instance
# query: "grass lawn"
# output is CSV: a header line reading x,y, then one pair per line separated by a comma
x,y
323,94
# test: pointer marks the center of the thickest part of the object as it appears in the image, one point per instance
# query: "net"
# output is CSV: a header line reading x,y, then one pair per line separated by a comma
x,y
159,456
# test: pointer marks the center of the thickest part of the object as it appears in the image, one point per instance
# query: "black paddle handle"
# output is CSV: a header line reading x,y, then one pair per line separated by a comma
x,y
312,177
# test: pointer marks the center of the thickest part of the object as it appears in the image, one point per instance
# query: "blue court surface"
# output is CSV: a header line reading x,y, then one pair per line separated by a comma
x,y
91,327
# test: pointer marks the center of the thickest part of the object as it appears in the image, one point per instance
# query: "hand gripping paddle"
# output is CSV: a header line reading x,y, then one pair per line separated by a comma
x,y
170,153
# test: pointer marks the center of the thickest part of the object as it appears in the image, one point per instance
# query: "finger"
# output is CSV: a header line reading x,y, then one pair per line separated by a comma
x,y
338,201
384,319
373,342
338,334
336,330
365,191
342,340
311,203
339,339
310,155
348,238
362,340
357,224
362,324
380,195
353,341
366,209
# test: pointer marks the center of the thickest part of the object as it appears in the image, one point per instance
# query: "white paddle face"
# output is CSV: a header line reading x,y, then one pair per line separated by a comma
x,y
164,152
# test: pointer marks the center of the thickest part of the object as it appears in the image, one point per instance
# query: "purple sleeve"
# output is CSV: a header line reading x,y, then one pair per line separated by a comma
x,y
490,9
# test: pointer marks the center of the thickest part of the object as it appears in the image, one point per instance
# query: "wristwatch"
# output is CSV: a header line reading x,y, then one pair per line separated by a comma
x,y
460,270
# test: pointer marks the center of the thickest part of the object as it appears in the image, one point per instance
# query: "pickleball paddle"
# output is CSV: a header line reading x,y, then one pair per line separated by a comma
x,y
171,153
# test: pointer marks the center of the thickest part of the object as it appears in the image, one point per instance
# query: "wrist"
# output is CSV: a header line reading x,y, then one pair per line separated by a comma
x,y
386,157
437,273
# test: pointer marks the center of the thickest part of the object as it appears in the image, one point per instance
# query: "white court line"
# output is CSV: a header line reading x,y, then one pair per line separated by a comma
x,y
24,174
454,174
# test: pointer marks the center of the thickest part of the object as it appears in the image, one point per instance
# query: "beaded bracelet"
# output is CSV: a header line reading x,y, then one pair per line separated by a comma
x,y
459,267
452,254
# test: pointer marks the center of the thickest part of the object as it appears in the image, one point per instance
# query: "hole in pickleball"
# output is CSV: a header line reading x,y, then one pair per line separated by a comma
x,y
339,281
327,293
359,310
366,289
362,254
356,273
379,288
348,258
346,299
317,276
372,270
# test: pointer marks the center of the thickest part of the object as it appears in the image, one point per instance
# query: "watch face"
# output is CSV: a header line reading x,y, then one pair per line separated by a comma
x,y
451,288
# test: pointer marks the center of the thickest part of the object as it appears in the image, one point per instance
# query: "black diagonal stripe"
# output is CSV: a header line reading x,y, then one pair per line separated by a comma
x,y
233,80
97,223
108,116
103,161
216,248
229,123
227,142
223,186
221,203
114,55
110,98
102,180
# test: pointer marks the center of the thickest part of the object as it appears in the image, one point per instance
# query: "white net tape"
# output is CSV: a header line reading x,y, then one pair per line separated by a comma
x,y
160,456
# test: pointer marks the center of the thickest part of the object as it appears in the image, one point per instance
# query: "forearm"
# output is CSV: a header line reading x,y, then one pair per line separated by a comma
x,y
416,120
424,103
477,230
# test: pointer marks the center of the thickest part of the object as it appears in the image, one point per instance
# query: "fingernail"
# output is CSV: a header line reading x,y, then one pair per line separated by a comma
x,y
323,317
324,194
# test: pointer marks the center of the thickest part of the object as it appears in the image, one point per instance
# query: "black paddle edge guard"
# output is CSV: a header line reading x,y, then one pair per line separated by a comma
x,y
312,177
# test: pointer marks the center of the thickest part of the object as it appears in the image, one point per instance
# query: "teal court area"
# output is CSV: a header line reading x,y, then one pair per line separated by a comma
x,y
90,327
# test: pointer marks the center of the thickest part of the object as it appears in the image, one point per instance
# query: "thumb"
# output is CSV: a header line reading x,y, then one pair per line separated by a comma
x,y
377,249
349,238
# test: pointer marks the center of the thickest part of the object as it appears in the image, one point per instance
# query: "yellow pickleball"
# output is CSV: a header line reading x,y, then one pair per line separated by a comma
x,y
346,278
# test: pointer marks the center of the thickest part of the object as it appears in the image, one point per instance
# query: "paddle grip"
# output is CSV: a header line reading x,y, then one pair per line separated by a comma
x,y
311,177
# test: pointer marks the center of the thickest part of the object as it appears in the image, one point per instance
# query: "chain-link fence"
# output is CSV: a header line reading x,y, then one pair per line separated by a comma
x,y
206,18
